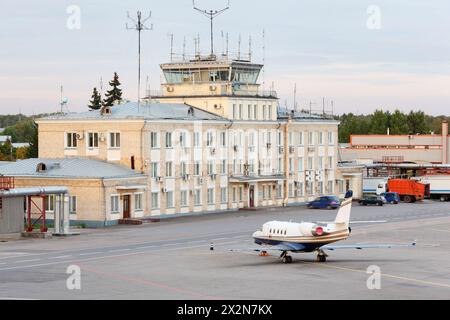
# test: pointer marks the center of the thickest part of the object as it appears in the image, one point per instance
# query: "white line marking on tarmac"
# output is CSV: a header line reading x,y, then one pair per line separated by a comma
x,y
29,260
90,253
60,257
119,250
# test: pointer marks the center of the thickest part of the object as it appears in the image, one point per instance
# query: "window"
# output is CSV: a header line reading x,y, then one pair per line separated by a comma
x,y
241,194
138,202
209,139
196,168
240,111
291,139
93,140
154,172
310,163
114,204
330,186
155,200
223,139
251,139
234,112
291,190
49,203
320,163
249,111
183,198
270,112
210,195
321,138
73,204
264,111
279,191
341,186
223,195
300,164
300,138
223,167
183,139
330,138
71,140
154,140
255,112
330,162
198,197
234,194
311,138
210,168
279,140
291,165
169,169
310,188
183,168
114,140
300,189
196,139
320,187
168,139
169,199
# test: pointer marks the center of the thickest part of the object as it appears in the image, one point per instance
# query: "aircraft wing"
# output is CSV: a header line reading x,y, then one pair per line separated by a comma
x,y
366,246
278,247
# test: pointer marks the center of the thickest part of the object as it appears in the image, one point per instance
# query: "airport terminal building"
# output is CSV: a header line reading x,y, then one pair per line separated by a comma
x,y
210,141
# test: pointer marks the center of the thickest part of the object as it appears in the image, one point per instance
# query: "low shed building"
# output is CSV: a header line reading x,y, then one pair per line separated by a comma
x,y
101,193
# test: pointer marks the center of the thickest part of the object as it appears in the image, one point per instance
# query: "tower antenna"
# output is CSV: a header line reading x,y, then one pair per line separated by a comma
x,y
249,48
171,46
139,25
211,14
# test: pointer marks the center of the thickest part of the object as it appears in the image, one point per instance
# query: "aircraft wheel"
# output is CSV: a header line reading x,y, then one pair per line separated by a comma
x,y
321,258
287,259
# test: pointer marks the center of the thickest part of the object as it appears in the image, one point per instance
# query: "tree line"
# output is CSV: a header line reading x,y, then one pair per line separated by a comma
x,y
396,122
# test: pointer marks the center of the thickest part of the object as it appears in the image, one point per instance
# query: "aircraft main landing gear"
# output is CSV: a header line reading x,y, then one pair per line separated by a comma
x,y
321,256
285,258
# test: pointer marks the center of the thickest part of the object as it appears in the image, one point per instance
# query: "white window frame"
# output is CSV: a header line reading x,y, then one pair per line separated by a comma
x,y
94,145
73,204
72,138
49,204
154,140
114,210
153,195
139,208
112,137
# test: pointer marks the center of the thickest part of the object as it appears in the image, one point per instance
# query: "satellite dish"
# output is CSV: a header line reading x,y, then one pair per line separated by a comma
x,y
65,100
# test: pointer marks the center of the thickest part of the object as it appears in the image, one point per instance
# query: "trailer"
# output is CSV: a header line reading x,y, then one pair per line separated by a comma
x,y
376,185
439,186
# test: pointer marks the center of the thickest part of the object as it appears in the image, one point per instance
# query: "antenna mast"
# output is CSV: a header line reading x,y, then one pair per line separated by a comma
x,y
211,14
139,25
171,46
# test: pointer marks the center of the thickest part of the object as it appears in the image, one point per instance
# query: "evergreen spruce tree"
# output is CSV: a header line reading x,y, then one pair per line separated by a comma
x,y
115,93
96,102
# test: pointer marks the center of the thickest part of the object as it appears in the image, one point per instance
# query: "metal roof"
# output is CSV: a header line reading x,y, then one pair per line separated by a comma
x,y
146,111
67,168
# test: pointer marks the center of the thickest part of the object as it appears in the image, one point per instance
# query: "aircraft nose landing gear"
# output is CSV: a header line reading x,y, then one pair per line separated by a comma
x,y
321,256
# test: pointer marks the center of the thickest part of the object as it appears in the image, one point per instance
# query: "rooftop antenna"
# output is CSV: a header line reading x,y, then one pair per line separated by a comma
x,y
227,44
101,86
222,37
239,47
139,25
264,59
211,14
184,48
147,89
63,101
249,48
295,96
171,46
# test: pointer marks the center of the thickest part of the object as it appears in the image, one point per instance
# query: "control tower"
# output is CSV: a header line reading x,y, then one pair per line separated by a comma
x,y
218,84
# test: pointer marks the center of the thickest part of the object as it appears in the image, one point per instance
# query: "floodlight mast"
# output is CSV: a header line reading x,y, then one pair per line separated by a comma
x,y
211,14
139,25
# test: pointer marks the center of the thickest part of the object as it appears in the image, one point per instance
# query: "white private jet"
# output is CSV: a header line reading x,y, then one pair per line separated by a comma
x,y
308,236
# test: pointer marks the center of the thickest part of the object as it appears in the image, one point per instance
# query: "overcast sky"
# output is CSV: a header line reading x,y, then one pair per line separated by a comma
x,y
345,51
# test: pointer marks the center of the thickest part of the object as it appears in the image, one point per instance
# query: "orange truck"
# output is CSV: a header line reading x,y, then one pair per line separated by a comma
x,y
409,190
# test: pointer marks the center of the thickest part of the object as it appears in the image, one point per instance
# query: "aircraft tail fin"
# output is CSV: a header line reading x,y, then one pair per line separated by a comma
x,y
343,215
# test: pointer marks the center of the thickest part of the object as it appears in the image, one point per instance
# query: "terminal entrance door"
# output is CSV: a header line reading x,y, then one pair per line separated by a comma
x,y
126,206
251,195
